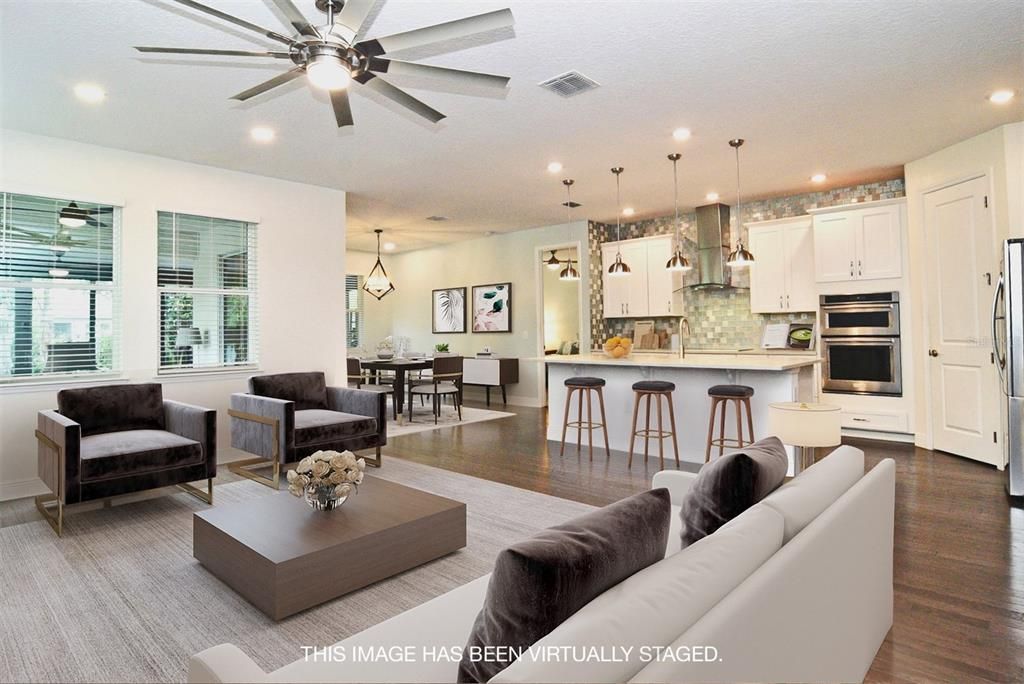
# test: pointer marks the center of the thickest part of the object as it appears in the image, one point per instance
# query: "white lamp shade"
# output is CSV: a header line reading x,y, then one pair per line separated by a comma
x,y
805,425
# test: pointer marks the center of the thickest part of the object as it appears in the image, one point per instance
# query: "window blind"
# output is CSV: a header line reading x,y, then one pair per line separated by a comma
x,y
206,277
59,298
353,311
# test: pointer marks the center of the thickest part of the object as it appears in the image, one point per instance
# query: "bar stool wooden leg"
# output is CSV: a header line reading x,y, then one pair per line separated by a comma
x,y
721,427
590,424
661,436
579,421
711,429
647,433
632,433
565,418
739,422
604,421
750,420
672,418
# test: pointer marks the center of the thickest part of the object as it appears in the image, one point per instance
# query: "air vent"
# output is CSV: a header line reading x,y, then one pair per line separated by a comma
x,y
437,219
569,84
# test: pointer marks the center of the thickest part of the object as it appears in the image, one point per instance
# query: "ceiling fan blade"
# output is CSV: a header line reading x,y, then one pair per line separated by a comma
x,y
342,108
224,53
458,28
453,76
295,18
398,95
274,35
351,18
278,80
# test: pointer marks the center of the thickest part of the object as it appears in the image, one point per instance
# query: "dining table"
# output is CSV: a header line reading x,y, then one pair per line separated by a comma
x,y
399,367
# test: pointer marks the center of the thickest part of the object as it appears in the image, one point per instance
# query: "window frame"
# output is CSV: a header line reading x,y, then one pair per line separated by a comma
x,y
360,311
10,383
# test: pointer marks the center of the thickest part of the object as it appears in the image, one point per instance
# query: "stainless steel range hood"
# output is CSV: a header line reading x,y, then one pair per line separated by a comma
x,y
713,246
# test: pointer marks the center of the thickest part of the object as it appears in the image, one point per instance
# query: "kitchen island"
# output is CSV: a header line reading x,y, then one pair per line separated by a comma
x,y
774,377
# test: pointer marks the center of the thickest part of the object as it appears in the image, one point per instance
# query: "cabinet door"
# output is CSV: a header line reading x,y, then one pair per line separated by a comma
x,y
767,274
835,248
614,287
635,256
801,288
659,280
879,253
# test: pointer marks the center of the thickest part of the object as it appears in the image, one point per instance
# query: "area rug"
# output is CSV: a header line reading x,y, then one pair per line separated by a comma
x,y
423,419
120,599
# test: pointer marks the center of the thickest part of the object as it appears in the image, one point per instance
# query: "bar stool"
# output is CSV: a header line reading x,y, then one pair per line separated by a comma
x,y
723,395
580,386
654,389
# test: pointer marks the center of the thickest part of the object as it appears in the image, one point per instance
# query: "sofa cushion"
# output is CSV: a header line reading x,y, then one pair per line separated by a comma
x,y
731,484
539,582
129,452
307,390
114,407
316,426
807,495
656,605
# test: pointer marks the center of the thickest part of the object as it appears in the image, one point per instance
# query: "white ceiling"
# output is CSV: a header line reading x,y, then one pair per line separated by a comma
x,y
853,88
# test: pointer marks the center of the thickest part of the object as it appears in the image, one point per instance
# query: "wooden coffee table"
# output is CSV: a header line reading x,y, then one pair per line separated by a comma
x,y
284,557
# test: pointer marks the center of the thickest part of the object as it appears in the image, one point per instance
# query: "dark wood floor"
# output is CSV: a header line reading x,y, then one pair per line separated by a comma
x,y
959,556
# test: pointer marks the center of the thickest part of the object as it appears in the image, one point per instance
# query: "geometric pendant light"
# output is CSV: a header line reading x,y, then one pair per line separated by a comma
x,y
678,262
569,272
378,283
619,268
739,257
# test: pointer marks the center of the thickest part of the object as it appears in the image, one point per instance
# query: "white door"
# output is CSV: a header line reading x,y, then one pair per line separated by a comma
x,y
835,248
964,387
635,256
879,254
614,287
659,280
767,274
801,290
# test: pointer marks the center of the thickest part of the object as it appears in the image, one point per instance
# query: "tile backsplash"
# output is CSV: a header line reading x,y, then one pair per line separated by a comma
x,y
719,319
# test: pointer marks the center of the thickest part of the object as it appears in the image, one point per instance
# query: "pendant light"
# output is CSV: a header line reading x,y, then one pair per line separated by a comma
x,y
678,262
569,273
619,268
553,262
378,283
739,257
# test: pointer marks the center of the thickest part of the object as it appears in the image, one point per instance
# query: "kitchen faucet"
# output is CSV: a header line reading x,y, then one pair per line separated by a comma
x,y
684,324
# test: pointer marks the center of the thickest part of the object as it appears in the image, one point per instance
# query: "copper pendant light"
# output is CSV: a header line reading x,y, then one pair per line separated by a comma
x,y
619,268
739,257
678,262
569,273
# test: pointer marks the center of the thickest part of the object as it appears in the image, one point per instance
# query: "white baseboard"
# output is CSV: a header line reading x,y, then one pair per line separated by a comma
x,y
20,489
880,436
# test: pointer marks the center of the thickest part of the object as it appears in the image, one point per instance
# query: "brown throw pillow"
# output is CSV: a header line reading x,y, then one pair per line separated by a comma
x,y
539,582
729,485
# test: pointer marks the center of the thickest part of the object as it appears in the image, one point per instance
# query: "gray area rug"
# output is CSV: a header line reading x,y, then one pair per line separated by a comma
x,y
121,599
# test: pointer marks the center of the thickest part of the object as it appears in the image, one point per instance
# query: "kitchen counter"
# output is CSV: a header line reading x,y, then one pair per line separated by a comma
x,y
707,360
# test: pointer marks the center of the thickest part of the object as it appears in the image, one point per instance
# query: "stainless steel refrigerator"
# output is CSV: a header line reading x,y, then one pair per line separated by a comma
x,y
1008,347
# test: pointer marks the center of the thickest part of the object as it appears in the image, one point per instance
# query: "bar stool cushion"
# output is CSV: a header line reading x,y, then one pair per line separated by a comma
x,y
584,381
740,391
654,386
729,485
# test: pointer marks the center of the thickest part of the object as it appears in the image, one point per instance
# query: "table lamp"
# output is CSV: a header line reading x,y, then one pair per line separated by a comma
x,y
805,426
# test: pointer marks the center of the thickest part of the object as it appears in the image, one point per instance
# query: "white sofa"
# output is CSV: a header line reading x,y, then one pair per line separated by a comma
x,y
798,588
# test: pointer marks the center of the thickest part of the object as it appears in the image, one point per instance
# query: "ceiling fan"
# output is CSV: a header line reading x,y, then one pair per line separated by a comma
x,y
331,58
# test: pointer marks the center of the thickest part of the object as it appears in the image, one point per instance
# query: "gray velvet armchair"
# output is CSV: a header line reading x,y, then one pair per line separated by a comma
x,y
106,441
286,417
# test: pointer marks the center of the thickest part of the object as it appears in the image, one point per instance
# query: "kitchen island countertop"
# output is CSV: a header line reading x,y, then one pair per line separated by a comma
x,y
742,361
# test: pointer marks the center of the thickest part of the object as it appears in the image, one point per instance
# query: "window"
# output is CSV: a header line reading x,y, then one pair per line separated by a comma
x,y
353,311
206,275
58,288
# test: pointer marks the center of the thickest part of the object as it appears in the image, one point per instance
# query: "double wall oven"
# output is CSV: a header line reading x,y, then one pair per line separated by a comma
x,y
860,344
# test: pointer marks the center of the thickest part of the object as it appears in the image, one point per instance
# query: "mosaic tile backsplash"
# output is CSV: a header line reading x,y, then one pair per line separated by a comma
x,y
719,319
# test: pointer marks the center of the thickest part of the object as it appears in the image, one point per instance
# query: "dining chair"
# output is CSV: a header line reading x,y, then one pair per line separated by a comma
x,y
446,380
359,377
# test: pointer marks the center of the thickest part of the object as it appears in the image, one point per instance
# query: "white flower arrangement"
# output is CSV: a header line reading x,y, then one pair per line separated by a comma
x,y
326,475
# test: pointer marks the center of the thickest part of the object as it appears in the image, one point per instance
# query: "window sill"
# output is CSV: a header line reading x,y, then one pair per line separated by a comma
x,y
200,375
50,384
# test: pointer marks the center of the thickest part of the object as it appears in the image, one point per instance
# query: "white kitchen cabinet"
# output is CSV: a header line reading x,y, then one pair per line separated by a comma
x,y
782,275
648,289
660,282
858,242
615,288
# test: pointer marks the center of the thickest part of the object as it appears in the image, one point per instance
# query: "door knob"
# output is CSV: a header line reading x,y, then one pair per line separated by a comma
x,y
933,352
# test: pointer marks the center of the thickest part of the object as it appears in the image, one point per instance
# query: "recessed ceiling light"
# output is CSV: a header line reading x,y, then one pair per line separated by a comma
x,y
628,211
681,134
1001,96
711,197
818,178
90,93
263,134
554,167
389,246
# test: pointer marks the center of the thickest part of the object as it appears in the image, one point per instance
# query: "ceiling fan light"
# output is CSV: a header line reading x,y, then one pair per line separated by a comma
x,y
328,73
72,216
678,262
59,272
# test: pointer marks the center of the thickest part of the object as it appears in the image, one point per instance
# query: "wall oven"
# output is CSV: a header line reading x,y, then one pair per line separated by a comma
x,y
860,344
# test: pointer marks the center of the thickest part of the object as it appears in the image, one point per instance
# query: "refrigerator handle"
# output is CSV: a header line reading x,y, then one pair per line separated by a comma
x,y
1000,358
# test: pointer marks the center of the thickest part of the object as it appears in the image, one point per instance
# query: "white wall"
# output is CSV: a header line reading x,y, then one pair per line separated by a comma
x,y
997,154
507,257
300,251
561,305
376,313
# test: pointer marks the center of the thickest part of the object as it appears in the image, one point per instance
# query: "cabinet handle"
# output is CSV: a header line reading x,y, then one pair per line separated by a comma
x,y
780,301
861,420
860,268
787,301
851,268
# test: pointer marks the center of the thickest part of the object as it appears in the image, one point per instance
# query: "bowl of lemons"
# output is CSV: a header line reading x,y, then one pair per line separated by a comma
x,y
618,347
